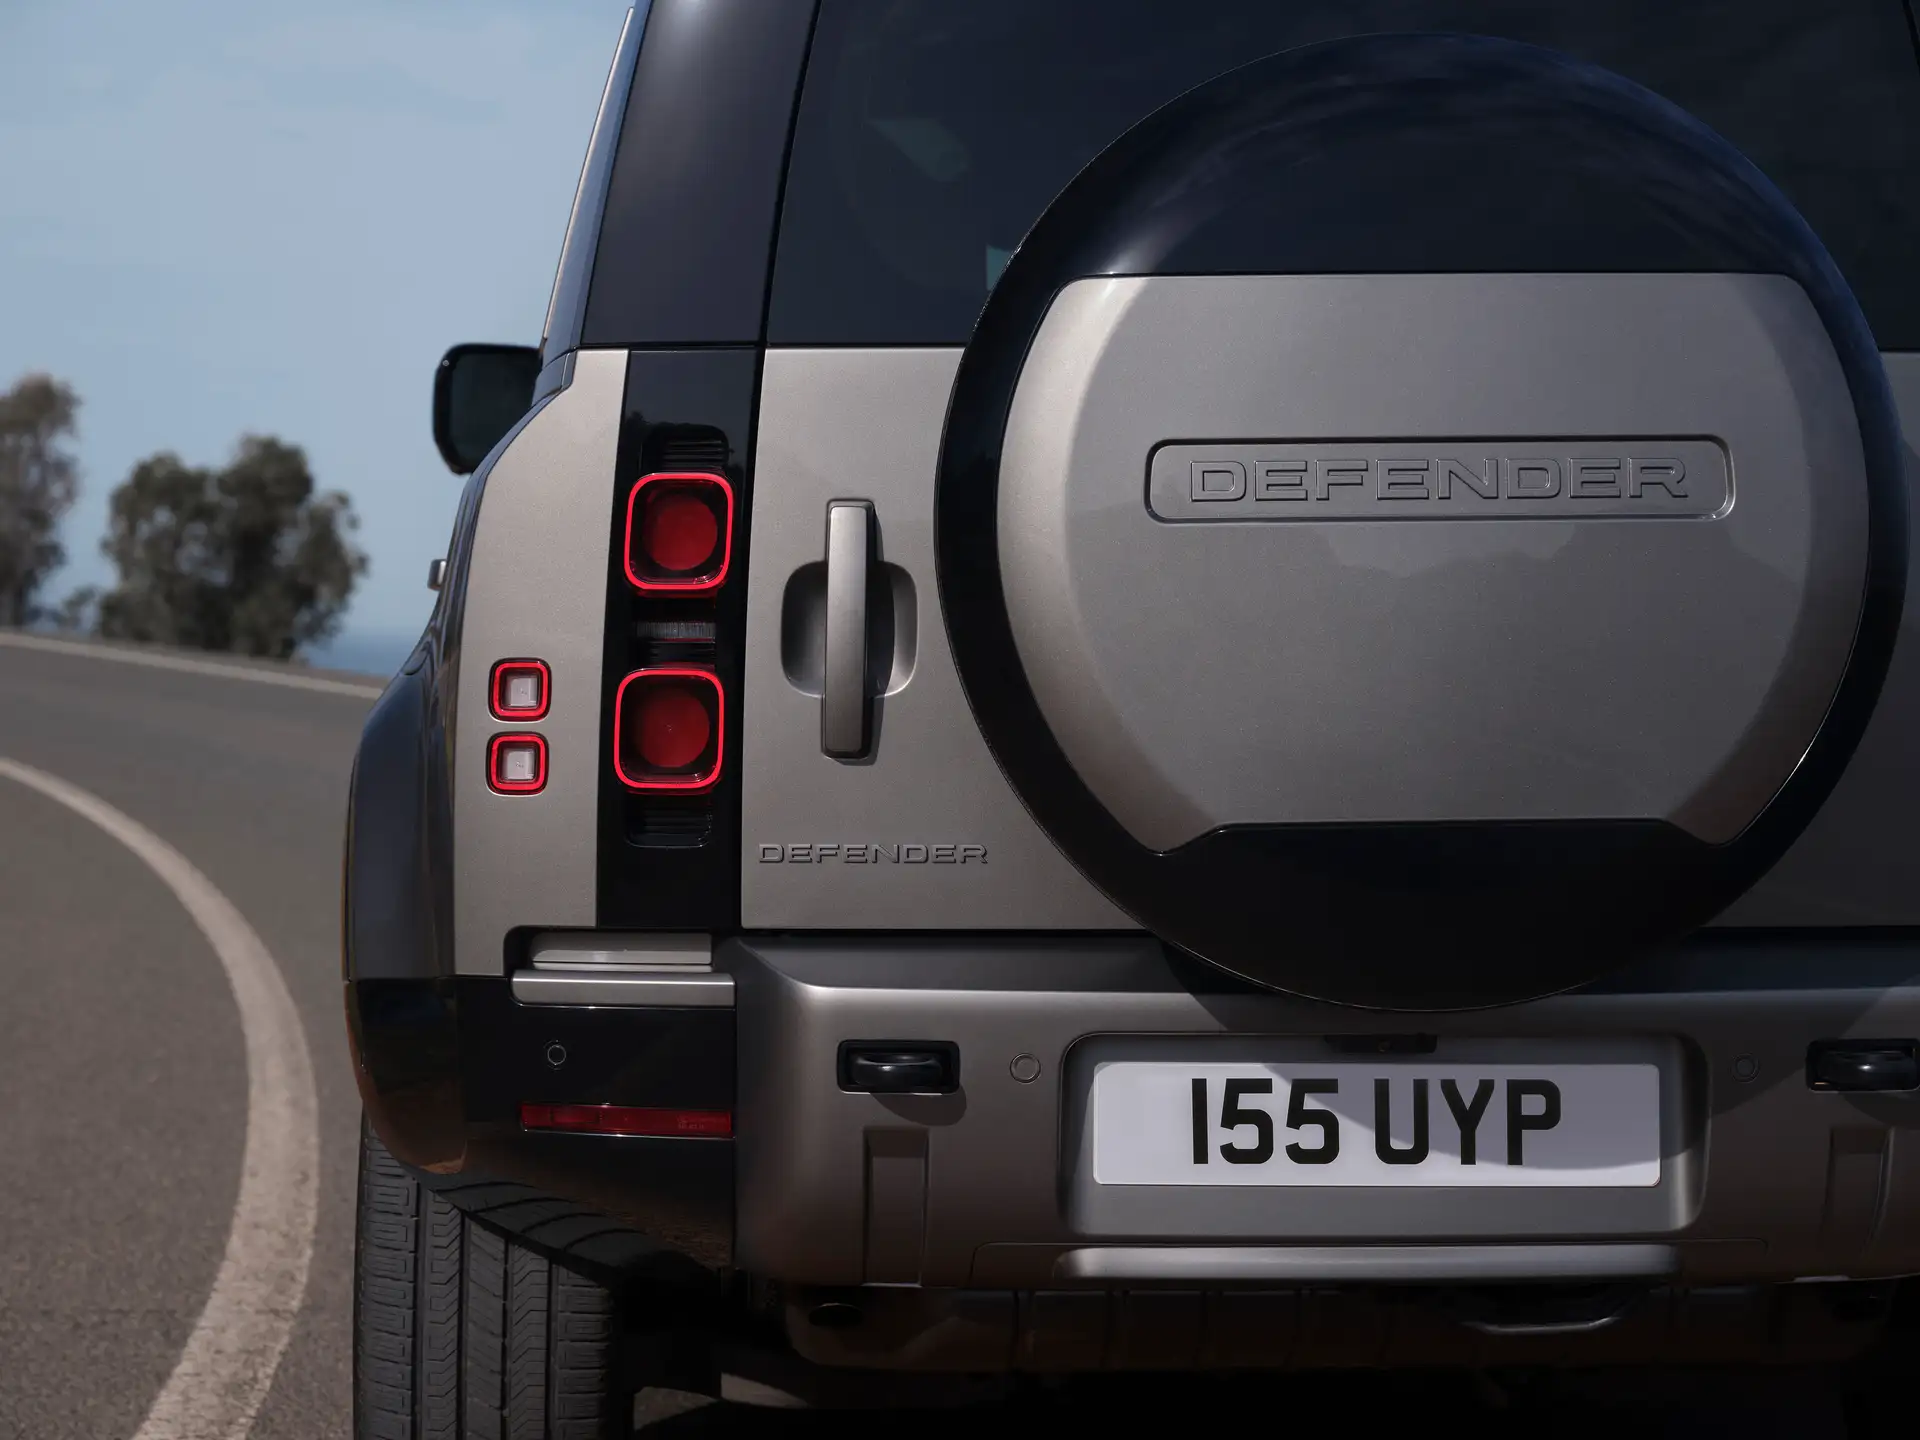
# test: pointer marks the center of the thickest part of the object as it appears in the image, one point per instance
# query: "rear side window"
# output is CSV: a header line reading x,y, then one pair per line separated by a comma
x,y
931,135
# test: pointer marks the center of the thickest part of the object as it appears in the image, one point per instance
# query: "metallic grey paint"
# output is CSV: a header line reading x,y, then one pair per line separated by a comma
x,y
978,1185
536,587
1857,864
1207,675
865,424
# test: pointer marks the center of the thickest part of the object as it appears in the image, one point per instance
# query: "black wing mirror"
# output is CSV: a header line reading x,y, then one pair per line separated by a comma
x,y
479,394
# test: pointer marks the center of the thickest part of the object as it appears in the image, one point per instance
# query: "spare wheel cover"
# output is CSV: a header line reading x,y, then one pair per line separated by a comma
x,y
1420,519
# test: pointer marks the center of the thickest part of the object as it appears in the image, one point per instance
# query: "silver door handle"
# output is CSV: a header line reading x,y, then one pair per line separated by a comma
x,y
843,682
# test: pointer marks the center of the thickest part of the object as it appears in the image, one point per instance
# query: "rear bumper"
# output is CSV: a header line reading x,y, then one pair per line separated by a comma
x,y
1763,1178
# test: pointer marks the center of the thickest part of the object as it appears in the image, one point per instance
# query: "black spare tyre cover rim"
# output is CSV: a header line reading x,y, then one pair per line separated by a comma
x,y
1419,520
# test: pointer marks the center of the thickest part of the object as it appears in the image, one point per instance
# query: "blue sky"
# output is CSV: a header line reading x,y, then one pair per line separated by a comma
x,y
222,216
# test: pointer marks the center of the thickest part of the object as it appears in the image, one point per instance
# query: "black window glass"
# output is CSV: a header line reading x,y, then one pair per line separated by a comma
x,y
932,133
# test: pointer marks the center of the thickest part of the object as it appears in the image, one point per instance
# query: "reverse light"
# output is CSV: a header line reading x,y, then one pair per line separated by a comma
x,y
520,689
679,534
669,725
517,764
628,1120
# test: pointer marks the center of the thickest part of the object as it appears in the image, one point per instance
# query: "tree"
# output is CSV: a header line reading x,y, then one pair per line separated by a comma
x,y
246,558
38,480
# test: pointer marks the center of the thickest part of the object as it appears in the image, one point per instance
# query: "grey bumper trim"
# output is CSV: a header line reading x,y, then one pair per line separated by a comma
x,y
623,987
1367,1262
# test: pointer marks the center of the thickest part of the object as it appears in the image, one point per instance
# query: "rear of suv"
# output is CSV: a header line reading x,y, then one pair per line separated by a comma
x,y
1145,687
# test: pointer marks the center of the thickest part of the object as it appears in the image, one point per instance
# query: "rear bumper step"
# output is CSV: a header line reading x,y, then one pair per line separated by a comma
x,y
622,987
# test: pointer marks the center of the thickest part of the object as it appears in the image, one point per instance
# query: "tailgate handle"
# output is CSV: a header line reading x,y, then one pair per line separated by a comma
x,y
900,1067
843,680
1863,1065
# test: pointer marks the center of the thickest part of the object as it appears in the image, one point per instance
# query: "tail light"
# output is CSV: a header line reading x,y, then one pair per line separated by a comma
x,y
679,532
669,723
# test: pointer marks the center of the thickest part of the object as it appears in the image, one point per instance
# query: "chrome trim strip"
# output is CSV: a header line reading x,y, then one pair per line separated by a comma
x,y
1367,1262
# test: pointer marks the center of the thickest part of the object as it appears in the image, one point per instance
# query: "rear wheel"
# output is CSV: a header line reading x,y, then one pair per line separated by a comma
x,y
461,1334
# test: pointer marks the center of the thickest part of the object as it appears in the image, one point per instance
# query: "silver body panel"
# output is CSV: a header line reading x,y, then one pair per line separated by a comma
x,y
838,423
537,588
1354,669
865,424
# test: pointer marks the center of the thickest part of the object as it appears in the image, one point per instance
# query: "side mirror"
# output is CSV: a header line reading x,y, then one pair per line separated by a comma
x,y
479,394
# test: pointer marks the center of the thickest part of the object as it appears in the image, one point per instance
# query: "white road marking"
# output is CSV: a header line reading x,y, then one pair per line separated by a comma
x,y
186,664
224,1370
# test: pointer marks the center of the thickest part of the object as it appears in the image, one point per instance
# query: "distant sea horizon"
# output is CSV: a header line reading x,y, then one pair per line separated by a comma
x,y
364,651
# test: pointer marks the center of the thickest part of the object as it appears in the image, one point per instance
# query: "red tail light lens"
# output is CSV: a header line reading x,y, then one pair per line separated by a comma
x,y
669,723
679,532
672,727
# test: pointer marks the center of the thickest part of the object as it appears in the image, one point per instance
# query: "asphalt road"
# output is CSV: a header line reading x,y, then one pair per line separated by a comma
x,y
124,1092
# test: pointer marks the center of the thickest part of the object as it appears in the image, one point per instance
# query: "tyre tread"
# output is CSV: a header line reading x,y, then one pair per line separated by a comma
x,y
461,1334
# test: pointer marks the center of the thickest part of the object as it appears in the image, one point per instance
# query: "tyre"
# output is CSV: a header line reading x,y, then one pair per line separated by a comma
x,y
461,1334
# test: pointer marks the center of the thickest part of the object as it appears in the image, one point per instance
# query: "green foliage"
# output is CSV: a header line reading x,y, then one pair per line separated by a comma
x,y
245,558
38,480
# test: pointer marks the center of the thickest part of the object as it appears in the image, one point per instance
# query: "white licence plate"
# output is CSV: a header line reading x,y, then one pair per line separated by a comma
x,y
1309,1123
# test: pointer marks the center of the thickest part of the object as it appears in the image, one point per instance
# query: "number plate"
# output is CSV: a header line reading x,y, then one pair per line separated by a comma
x,y
1155,1123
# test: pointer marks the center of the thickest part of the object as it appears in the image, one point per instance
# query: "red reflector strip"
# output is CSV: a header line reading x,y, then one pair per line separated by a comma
x,y
627,1120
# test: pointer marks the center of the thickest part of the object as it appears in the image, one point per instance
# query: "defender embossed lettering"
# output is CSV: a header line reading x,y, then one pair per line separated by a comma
x,y
855,852
1649,479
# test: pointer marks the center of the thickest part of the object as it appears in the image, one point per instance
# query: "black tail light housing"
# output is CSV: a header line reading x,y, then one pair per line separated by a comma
x,y
668,831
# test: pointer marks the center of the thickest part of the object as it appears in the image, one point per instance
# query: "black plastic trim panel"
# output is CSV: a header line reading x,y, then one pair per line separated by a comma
x,y
1313,162
444,1065
686,235
670,861
590,1055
